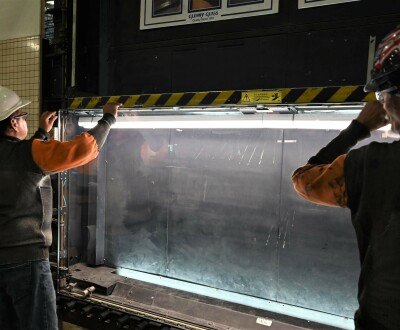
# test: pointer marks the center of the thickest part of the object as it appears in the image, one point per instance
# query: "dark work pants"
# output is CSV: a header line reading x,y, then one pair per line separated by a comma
x,y
27,297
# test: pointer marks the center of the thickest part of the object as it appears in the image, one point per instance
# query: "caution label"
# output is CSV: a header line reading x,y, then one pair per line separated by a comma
x,y
255,97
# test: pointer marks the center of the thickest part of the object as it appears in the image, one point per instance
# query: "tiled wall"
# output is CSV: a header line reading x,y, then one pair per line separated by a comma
x,y
20,71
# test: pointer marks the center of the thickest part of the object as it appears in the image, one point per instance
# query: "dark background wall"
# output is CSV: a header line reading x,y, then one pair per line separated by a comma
x,y
322,46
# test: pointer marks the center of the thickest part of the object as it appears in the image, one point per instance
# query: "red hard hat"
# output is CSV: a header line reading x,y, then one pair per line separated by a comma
x,y
386,70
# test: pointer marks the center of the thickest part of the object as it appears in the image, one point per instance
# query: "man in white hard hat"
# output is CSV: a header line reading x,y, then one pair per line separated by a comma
x,y
367,181
27,296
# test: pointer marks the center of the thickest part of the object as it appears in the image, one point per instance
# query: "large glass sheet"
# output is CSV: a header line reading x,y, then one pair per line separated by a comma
x,y
216,207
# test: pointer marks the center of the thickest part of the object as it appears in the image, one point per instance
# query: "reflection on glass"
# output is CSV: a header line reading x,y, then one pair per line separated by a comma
x,y
204,4
177,200
136,202
166,7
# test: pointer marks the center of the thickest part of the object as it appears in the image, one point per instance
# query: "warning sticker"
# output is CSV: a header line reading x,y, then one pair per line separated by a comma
x,y
255,97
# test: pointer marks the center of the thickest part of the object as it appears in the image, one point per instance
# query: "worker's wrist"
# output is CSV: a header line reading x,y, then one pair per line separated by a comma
x,y
41,134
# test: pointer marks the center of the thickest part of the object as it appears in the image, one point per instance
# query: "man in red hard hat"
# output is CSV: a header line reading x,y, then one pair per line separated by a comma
x,y
27,296
367,181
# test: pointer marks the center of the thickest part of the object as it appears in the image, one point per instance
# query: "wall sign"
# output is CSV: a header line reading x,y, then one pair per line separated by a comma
x,y
317,3
162,13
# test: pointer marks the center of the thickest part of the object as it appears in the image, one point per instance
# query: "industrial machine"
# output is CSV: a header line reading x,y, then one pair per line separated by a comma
x,y
188,220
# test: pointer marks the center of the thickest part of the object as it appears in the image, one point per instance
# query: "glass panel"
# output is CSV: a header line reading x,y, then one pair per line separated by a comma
x,y
209,200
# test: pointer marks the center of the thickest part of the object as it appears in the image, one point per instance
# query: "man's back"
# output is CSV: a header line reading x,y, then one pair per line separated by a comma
x,y
373,188
25,204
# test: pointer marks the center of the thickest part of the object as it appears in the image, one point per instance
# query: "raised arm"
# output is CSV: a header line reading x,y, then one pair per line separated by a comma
x,y
321,180
54,156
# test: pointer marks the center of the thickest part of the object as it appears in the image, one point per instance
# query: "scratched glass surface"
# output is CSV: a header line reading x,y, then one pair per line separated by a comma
x,y
197,205
216,207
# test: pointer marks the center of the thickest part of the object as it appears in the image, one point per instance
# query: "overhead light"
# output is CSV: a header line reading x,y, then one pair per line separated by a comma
x,y
225,122
187,124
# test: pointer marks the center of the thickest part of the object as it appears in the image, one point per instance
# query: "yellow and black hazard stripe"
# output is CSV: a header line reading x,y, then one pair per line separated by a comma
x,y
315,95
351,94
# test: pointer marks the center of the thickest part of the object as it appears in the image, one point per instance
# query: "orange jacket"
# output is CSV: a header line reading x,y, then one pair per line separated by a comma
x,y
54,156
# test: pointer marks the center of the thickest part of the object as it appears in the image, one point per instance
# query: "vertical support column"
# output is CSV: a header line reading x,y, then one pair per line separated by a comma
x,y
62,218
96,214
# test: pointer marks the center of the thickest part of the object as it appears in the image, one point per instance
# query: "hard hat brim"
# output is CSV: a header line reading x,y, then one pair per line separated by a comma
x,y
10,111
370,87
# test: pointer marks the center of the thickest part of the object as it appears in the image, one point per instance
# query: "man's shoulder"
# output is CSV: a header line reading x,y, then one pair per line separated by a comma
x,y
375,150
377,145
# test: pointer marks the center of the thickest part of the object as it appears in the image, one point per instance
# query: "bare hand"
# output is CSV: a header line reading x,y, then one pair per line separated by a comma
x,y
112,108
373,116
47,120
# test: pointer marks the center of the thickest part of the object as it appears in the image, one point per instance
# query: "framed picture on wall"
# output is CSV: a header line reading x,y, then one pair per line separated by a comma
x,y
317,3
163,13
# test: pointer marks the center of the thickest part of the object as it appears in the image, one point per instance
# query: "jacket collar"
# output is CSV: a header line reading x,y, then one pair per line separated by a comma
x,y
9,138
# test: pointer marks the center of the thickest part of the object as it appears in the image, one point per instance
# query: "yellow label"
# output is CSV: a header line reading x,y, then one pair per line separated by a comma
x,y
254,97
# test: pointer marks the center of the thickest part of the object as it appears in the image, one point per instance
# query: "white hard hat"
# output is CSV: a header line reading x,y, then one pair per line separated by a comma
x,y
10,102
